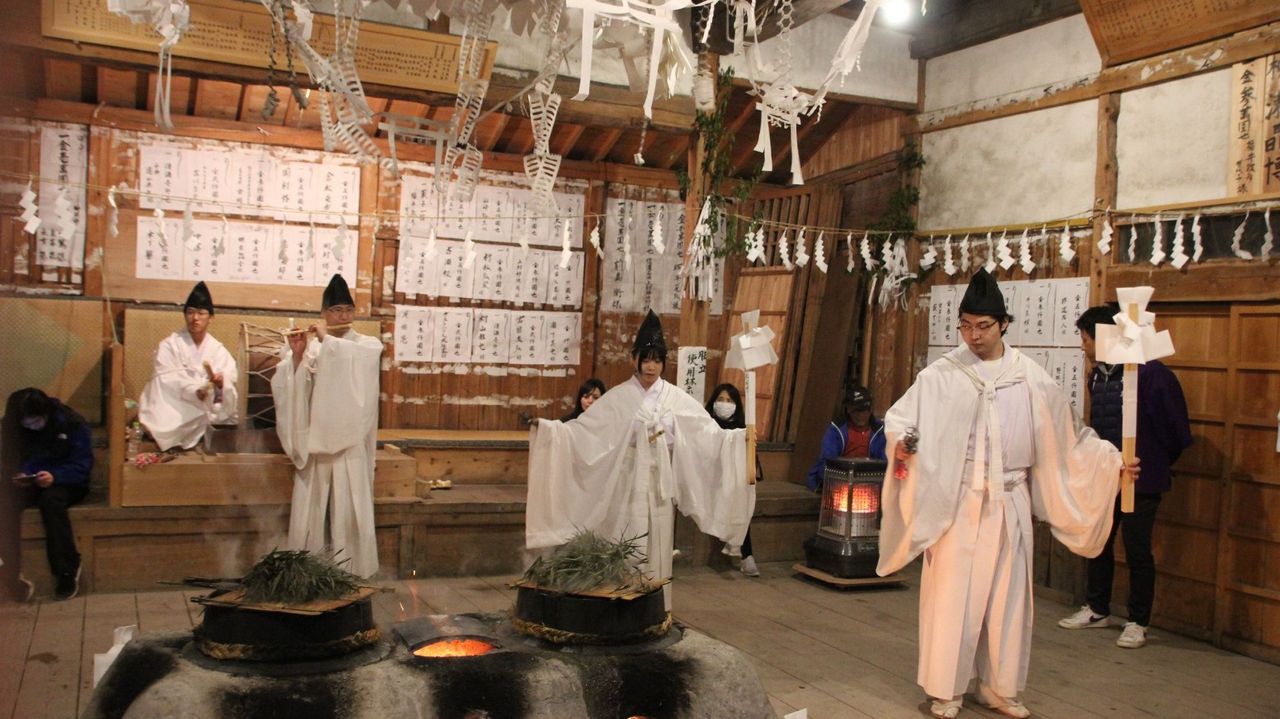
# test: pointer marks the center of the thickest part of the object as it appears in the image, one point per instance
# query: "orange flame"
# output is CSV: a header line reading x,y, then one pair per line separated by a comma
x,y
454,648
865,499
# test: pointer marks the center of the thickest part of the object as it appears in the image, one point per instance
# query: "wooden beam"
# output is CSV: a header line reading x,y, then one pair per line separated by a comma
x,y
1104,191
1213,55
121,88
952,25
62,80
489,130
607,142
219,99
564,137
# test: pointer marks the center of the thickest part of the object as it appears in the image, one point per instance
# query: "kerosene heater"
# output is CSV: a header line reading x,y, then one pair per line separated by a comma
x,y
847,543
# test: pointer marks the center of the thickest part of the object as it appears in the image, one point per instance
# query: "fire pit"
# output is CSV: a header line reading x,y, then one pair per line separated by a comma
x,y
682,675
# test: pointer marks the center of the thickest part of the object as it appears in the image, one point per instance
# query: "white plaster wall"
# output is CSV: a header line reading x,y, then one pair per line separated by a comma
x,y
1033,167
886,70
1171,141
1053,52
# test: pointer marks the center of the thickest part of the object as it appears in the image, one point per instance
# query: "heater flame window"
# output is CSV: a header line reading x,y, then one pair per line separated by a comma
x,y
851,499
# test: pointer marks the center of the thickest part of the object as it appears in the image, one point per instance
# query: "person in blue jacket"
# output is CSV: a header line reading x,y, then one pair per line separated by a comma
x,y
854,432
55,454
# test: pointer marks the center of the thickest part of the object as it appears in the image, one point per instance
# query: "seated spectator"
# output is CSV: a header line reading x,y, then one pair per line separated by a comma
x,y
854,432
590,391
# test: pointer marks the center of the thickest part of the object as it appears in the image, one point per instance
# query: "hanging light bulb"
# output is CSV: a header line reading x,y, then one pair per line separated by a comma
x,y
897,12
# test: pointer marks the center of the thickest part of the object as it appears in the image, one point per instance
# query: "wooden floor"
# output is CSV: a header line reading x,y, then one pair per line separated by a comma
x,y
837,653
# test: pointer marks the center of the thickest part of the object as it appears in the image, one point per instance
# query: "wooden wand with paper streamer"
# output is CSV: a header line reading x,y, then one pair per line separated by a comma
x,y
1131,341
751,349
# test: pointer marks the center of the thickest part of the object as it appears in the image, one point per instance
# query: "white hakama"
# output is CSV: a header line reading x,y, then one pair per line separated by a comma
x,y
170,408
327,419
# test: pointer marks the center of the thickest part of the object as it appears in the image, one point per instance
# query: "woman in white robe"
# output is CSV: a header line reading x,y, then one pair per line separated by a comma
x,y
184,398
326,400
619,469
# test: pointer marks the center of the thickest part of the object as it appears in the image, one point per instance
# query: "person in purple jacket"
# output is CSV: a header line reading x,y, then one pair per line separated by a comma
x,y
1163,432
854,432
55,455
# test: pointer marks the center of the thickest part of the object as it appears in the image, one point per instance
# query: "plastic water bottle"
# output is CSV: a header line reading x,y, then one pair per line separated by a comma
x,y
133,437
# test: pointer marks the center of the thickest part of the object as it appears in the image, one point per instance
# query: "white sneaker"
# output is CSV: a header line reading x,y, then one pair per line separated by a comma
x,y
749,567
1084,619
1134,636
1008,707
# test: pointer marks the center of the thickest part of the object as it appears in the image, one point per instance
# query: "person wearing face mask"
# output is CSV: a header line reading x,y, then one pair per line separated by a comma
x,y
725,407
622,468
53,452
194,382
854,432
590,391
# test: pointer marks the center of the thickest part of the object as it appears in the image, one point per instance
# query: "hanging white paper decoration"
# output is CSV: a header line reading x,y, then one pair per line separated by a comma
x,y
698,271
1104,242
64,216
965,257
469,250
169,18
802,255
948,259
188,226
1065,250
867,261
930,256
1268,239
1004,253
1238,237
566,254
594,237
848,243
990,264
896,271
1133,243
430,253
113,216
1157,242
820,254
30,211
655,237
1024,253
1197,243
784,251
1178,255
755,245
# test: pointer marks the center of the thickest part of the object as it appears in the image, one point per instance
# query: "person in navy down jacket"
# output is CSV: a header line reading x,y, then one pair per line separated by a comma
x,y
1163,432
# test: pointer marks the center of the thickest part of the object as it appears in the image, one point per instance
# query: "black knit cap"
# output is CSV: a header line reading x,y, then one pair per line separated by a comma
x,y
983,296
649,336
337,293
199,299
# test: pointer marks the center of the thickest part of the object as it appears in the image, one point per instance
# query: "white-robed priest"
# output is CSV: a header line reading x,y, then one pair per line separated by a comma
x,y
326,396
194,383
622,465
998,443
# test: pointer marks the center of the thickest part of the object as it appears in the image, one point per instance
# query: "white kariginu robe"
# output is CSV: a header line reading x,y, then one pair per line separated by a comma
x,y
169,407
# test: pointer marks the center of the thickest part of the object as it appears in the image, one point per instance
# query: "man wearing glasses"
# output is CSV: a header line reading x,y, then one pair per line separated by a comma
x,y
997,443
326,395
194,384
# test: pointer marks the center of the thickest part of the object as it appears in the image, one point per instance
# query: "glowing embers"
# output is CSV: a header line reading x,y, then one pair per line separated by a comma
x,y
455,647
447,636
847,543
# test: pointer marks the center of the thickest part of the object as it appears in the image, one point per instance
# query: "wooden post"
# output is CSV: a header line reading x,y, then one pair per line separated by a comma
x,y
749,390
1129,437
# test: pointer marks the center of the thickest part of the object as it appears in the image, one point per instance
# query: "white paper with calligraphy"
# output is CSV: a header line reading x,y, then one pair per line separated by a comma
x,y
414,338
64,157
691,372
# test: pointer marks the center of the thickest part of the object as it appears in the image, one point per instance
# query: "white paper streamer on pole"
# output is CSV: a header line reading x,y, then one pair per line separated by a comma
x,y
802,256
820,253
1197,242
1003,251
1157,242
990,264
1268,239
30,210
1108,232
930,256
784,251
1065,250
1024,253
1238,237
848,243
948,259
1178,255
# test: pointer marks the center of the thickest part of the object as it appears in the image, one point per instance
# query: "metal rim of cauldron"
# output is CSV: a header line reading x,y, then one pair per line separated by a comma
x,y
564,618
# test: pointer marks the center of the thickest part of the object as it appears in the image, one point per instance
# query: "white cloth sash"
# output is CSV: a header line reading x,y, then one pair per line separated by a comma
x,y
990,473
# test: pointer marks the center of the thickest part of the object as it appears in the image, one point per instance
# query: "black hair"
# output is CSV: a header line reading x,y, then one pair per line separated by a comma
x,y
651,352
739,418
33,402
1094,316
585,389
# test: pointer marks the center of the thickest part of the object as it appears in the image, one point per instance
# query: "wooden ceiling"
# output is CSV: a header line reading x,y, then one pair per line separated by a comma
x,y
503,130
